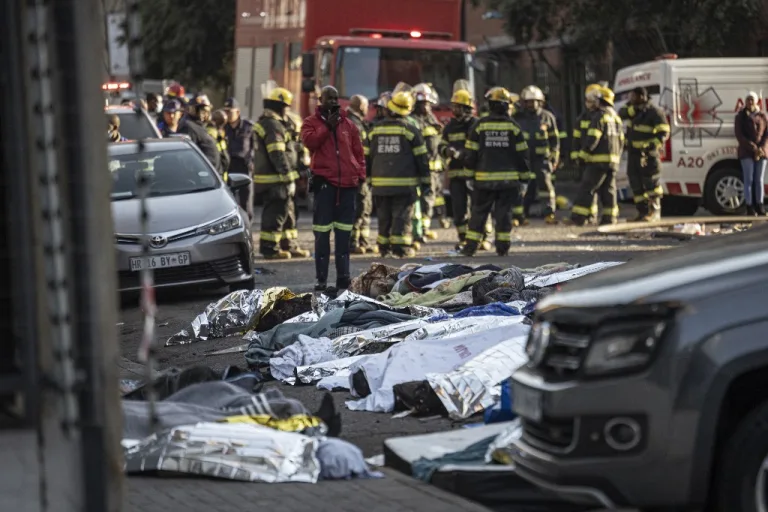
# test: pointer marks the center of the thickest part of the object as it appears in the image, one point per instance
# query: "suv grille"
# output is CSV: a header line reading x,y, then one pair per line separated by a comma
x,y
549,434
567,347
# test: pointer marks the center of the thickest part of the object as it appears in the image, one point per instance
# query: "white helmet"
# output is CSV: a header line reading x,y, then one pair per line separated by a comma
x,y
532,93
425,92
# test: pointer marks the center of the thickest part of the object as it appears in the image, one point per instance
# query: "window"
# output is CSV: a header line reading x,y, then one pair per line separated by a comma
x,y
371,71
294,56
325,67
541,69
278,56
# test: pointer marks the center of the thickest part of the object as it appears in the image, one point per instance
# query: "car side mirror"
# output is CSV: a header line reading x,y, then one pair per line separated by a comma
x,y
308,85
237,181
307,65
491,73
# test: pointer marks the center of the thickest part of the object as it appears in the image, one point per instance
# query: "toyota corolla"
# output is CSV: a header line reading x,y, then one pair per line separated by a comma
x,y
198,235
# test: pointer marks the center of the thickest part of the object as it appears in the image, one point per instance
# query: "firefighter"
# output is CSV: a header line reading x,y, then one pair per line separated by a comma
x,y
582,124
648,130
290,240
241,145
274,171
175,91
602,144
496,149
540,130
431,129
218,122
381,106
360,244
200,111
452,148
399,166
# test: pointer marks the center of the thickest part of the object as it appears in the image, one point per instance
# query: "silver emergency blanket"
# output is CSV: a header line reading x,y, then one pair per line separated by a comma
x,y
462,327
542,281
354,343
325,305
500,450
474,386
233,451
229,315
309,316
314,372
412,361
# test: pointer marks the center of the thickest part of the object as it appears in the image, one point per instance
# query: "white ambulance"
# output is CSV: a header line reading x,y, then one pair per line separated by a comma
x,y
701,98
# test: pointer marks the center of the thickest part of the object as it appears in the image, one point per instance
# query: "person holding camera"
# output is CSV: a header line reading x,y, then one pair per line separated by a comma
x,y
338,167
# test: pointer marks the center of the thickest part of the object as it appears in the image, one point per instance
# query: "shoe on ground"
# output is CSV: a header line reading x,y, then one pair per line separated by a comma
x,y
502,252
430,235
485,245
278,255
321,286
467,250
459,246
300,253
416,246
407,252
371,250
445,223
359,250
342,283
550,219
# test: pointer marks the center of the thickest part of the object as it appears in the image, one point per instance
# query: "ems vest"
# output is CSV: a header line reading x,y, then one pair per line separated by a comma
x,y
431,130
497,151
398,158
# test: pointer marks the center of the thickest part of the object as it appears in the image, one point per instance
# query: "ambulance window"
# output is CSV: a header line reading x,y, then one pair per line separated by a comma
x,y
623,96
325,67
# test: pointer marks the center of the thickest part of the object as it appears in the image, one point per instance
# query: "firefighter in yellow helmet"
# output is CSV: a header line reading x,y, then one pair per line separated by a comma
x,y
514,106
498,153
425,98
398,167
601,150
581,126
290,240
540,129
275,164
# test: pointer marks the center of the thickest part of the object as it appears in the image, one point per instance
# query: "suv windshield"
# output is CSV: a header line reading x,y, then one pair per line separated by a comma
x,y
135,127
170,173
372,71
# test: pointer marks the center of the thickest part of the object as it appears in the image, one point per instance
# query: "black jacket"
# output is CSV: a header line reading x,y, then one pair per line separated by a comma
x,y
498,153
200,137
455,136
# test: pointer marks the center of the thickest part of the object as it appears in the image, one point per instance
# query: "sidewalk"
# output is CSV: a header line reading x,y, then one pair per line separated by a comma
x,y
396,492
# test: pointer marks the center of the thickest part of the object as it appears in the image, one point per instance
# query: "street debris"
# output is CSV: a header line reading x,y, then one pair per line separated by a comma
x,y
433,340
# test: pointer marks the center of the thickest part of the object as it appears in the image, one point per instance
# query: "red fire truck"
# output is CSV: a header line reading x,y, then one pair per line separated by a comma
x,y
368,47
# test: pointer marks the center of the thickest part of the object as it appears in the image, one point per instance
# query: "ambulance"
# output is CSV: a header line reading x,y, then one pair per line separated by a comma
x,y
701,98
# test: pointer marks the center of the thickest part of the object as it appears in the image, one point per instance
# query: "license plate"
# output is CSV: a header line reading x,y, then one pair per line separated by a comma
x,y
526,402
174,259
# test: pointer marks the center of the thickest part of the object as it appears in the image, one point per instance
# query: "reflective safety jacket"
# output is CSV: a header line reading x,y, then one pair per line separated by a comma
x,y
293,123
455,136
582,125
647,127
431,130
603,141
541,134
397,157
497,151
218,135
275,155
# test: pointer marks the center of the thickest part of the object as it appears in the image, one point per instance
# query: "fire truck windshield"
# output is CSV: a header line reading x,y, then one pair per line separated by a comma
x,y
371,71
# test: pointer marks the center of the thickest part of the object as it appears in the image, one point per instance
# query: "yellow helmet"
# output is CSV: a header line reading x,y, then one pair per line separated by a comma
x,y
607,95
401,103
499,94
591,88
462,97
281,95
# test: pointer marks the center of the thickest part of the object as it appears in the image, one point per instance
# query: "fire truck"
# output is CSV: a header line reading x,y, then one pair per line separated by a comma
x,y
367,48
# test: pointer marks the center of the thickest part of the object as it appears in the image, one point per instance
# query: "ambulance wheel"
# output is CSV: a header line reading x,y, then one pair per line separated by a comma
x,y
679,206
724,191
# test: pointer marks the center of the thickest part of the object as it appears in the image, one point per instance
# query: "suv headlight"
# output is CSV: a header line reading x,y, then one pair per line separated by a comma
x,y
624,345
228,223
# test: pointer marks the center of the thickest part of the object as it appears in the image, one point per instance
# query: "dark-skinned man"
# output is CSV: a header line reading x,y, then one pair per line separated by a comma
x,y
356,112
647,132
241,142
399,167
497,151
274,174
338,169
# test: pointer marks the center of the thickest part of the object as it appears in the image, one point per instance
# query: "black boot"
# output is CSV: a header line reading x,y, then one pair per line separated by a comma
x,y
321,286
750,211
321,272
760,210
342,282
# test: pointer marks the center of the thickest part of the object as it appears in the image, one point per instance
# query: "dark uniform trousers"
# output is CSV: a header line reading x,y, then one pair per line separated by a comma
x,y
395,227
334,211
245,194
439,209
500,203
540,186
290,238
644,173
273,217
600,180
364,206
460,194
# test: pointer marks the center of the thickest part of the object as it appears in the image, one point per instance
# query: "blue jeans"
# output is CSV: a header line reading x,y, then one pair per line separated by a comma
x,y
754,180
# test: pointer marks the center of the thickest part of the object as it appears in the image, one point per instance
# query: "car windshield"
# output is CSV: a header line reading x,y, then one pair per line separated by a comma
x,y
372,71
170,173
135,127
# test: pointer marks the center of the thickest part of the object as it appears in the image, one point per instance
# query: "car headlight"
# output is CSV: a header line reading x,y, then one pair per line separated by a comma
x,y
228,223
625,345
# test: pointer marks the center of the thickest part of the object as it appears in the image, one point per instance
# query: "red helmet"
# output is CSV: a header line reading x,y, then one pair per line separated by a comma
x,y
175,90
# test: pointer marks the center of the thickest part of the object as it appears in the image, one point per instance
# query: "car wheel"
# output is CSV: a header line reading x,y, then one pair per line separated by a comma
x,y
741,473
724,192
679,206
248,285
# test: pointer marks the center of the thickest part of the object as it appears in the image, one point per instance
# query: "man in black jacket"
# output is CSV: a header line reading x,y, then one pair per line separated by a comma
x,y
175,125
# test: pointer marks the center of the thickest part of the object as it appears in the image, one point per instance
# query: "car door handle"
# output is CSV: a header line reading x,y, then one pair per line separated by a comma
x,y
683,151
